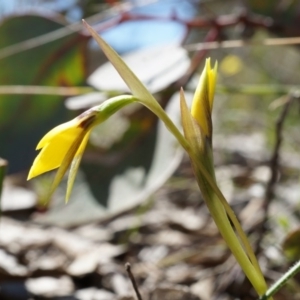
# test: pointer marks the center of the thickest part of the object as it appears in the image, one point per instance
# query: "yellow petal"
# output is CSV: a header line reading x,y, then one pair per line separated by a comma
x,y
75,164
69,157
190,126
200,106
203,98
212,84
56,144
63,130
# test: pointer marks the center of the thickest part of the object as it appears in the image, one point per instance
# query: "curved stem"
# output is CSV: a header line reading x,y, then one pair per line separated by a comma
x,y
241,234
220,217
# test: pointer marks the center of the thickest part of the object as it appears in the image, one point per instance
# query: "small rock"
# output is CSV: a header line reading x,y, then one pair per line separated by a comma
x,y
173,293
88,262
188,218
50,286
181,274
153,254
204,288
168,238
121,285
70,243
95,294
9,264
94,233
17,198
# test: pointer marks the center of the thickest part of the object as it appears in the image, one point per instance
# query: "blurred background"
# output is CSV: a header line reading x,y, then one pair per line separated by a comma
x,y
135,198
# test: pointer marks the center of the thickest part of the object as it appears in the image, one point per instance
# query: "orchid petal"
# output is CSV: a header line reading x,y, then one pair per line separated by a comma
x,y
66,131
203,99
66,163
75,165
55,148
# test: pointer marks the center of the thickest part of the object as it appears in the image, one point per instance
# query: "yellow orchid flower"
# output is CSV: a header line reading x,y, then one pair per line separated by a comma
x,y
204,97
63,146
58,141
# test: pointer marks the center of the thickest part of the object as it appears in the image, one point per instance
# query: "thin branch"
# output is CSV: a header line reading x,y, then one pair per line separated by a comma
x,y
212,35
274,166
3,167
67,30
274,162
43,90
132,279
119,14
243,43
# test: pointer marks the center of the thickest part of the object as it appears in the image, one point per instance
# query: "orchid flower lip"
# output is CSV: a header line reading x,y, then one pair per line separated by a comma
x,y
87,122
87,118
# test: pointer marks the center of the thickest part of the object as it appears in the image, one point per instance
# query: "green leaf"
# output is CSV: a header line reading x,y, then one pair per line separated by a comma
x,y
136,86
192,131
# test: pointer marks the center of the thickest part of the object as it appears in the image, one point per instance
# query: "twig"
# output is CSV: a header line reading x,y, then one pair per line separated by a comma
x,y
274,166
132,279
3,166
274,162
67,30
212,35
281,281
243,43
44,90
120,14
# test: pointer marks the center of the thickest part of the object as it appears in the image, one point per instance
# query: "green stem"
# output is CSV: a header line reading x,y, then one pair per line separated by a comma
x,y
230,212
241,234
220,217
232,217
281,281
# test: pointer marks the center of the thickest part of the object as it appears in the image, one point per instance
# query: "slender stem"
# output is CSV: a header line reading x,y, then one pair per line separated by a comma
x,y
281,281
133,281
274,165
229,211
241,235
220,217
3,166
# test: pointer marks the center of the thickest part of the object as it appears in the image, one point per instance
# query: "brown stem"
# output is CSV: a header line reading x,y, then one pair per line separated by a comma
x,y
212,35
3,167
274,166
132,279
